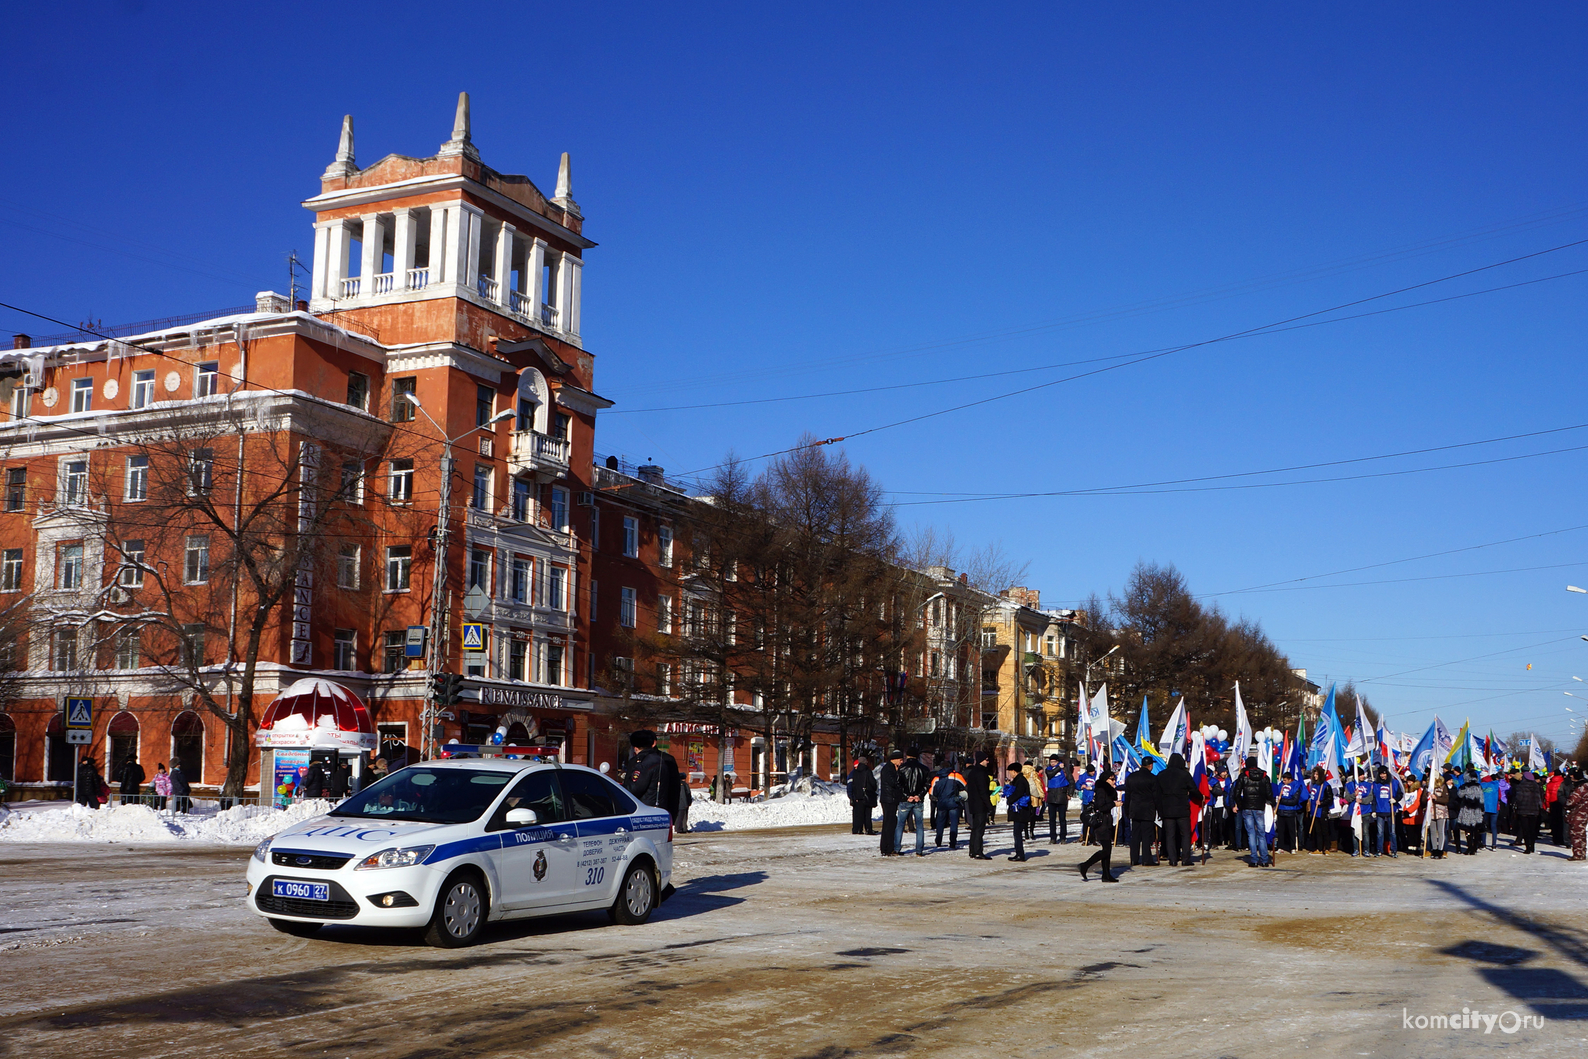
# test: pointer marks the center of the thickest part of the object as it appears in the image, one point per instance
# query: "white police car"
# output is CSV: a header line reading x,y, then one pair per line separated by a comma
x,y
450,845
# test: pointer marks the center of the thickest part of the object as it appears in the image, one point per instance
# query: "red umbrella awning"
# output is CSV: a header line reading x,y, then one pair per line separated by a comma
x,y
317,713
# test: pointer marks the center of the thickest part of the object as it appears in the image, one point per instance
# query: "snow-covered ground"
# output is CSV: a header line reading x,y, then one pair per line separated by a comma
x,y
242,825
791,810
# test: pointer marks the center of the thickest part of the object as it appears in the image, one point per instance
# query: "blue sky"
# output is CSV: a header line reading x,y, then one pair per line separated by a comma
x,y
863,196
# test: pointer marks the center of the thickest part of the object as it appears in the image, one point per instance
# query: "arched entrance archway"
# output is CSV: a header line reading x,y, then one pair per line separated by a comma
x,y
187,745
121,743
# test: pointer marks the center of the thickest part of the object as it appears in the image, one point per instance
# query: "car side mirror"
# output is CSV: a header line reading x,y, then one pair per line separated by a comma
x,y
521,817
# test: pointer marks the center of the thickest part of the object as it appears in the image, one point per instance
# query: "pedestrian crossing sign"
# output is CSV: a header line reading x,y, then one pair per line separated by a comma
x,y
79,713
473,636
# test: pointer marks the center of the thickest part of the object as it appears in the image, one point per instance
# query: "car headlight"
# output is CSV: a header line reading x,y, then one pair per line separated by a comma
x,y
395,858
262,851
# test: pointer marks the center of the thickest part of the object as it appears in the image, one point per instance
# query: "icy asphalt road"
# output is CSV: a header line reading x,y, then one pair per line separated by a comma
x,y
802,942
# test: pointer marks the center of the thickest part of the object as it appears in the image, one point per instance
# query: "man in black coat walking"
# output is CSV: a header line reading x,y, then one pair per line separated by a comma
x,y
1176,792
862,797
651,776
1141,806
891,796
978,804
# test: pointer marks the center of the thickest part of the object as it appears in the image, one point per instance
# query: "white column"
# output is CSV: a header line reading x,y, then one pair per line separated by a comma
x,y
322,246
370,264
455,247
341,239
438,244
534,265
575,269
565,309
504,264
403,238
471,272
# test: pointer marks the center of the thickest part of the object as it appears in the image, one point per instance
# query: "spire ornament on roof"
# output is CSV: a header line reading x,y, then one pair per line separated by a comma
x,y
564,196
344,165
461,142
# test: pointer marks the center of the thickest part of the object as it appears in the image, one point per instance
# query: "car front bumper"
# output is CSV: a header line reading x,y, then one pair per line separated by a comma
x,y
356,896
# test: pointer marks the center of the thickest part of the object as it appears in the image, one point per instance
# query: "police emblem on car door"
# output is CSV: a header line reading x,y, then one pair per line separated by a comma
x,y
540,865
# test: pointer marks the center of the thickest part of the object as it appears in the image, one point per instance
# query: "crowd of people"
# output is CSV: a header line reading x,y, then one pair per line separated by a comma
x,y
1161,814
166,789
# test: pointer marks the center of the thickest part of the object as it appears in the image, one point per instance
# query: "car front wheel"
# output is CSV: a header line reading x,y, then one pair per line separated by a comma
x,y
460,913
636,897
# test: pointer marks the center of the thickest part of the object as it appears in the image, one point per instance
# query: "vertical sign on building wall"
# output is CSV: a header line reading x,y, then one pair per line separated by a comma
x,y
303,585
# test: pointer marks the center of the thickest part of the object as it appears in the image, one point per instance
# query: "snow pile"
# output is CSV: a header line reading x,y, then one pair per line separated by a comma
x,y
243,825
791,810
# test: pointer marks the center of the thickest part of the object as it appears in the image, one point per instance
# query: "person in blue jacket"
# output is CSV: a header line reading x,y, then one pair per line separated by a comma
x,y
1057,775
1320,803
1084,785
1292,803
1386,796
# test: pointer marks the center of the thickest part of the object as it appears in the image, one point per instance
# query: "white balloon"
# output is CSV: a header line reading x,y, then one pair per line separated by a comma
x,y
1223,734
605,767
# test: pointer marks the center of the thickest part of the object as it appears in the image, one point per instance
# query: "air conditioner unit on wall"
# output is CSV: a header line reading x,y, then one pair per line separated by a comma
x,y
585,499
30,380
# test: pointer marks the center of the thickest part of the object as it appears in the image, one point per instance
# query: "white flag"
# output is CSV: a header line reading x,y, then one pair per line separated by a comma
x,y
1173,740
1097,719
1243,729
1535,756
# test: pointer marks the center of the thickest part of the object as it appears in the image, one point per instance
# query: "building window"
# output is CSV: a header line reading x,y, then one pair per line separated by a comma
x,y
664,679
21,404
394,651
664,614
559,509
937,664
69,566
137,477
402,409
556,587
207,379
76,483
200,472
401,488
343,652
142,389
480,498
399,562
352,487
82,395
519,590
11,571
520,500
631,537
480,568
358,391
196,570
559,425
595,529
517,653
554,657
128,649
1051,646
347,566
63,650
626,608
664,545
192,656
132,567
16,488
483,397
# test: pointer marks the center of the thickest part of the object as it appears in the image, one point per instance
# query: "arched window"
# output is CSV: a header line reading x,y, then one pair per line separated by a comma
x,y
123,742
187,745
517,734
59,761
8,748
534,401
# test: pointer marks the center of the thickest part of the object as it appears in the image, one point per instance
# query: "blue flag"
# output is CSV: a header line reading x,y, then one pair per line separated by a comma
x,y
1427,749
1318,748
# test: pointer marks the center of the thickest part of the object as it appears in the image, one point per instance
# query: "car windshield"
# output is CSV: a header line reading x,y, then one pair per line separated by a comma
x,y
438,796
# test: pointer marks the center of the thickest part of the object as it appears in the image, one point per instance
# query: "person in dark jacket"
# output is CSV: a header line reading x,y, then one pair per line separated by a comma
x,y
914,781
314,780
978,803
890,795
651,776
862,797
948,799
1527,804
341,779
87,783
130,778
1176,791
1253,791
1103,799
1320,802
1017,792
1141,808
1469,810
181,789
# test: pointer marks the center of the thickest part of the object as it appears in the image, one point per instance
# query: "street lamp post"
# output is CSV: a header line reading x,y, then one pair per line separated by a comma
x,y
437,658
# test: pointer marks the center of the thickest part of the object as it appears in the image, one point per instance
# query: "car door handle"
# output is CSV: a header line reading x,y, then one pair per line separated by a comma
x,y
621,831
564,837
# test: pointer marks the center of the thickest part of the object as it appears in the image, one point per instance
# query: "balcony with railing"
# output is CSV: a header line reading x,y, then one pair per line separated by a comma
x,y
539,454
383,283
418,278
351,285
487,287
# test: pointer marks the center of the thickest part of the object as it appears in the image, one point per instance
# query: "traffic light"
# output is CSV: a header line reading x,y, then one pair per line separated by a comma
x,y
445,688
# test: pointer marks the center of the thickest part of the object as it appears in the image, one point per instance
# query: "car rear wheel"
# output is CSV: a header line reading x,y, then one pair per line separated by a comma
x,y
636,897
460,914
296,929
